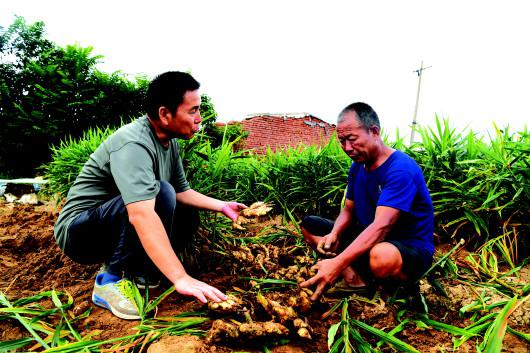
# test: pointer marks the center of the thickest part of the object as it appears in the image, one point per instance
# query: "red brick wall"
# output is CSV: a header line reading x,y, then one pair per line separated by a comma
x,y
278,132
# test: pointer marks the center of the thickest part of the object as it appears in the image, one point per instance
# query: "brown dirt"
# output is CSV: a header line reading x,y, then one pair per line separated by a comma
x,y
31,262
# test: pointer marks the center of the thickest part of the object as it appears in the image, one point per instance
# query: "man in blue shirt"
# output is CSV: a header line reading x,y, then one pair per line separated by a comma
x,y
385,229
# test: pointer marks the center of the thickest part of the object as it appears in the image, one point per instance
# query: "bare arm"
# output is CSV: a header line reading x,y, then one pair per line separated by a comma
x,y
155,242
344,219
195,199
329,243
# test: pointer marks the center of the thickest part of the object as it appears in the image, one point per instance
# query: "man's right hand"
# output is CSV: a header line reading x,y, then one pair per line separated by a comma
x,y
231,209
187,285
328,244
328,272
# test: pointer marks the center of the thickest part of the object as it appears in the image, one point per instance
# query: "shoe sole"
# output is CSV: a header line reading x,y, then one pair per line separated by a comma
x,y
104,304
150,286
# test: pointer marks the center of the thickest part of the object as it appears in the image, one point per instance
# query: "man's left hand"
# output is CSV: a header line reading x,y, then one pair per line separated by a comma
x,y
231,210
328,272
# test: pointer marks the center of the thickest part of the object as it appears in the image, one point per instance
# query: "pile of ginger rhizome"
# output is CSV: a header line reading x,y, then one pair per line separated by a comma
x,y
265,302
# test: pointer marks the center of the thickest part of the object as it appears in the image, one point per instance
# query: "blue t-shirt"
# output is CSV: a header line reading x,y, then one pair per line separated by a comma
x,y
397,183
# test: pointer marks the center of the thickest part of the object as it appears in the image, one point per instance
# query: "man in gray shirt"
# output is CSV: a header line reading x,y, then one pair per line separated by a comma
x,y
124,207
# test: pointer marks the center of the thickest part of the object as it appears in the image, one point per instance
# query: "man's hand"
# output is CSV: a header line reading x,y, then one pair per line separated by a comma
x,y
328,272
187,285
231,210
328,244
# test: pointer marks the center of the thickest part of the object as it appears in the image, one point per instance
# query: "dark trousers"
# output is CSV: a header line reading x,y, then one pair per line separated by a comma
x,y
415,261
104,234
322,226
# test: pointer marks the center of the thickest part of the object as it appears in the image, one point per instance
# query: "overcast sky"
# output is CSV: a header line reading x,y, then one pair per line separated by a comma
x,y
315,56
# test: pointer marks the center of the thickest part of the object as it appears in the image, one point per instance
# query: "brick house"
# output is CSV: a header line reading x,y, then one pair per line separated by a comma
x,y
281,130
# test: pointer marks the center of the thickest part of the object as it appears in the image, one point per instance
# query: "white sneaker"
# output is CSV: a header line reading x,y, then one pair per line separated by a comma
x,y
118,297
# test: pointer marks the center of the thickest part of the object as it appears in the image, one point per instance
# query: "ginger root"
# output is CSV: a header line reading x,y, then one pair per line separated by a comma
x,y
263,329
227,331
276,310
223,331
232,304
257,209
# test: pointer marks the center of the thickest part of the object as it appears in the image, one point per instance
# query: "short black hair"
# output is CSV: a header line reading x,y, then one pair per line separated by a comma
x,y
168,90
367,116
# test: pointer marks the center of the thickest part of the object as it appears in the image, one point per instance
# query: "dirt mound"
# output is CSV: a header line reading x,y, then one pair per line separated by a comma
x,y
31,261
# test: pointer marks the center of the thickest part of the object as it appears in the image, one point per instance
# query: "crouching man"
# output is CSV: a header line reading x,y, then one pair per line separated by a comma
x,y
385,229
125,209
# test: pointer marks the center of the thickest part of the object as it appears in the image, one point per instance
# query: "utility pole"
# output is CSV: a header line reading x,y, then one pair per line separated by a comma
x,y
414,122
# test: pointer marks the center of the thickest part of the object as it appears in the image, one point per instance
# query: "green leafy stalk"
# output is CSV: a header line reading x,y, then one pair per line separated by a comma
x,y
4,301
493,341
12,345
443,258
525,336
388,338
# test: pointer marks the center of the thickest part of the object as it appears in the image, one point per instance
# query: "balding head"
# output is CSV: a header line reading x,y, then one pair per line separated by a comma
x,y
364,114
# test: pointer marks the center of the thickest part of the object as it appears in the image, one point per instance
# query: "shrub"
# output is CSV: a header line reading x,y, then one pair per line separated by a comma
x,y
48,92
69,157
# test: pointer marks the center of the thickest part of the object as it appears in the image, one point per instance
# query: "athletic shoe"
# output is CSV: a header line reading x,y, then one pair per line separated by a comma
x,y
118,297
144,281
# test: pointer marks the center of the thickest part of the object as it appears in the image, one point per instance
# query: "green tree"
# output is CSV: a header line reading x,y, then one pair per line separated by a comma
x,y
48,93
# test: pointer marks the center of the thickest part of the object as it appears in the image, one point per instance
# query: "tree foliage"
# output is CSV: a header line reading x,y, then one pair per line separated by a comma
x,y
48,92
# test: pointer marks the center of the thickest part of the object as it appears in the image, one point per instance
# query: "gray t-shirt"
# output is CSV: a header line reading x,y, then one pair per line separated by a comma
x,y
131,163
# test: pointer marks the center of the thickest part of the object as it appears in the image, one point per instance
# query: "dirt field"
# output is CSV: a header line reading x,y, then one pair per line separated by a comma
x,y
30,263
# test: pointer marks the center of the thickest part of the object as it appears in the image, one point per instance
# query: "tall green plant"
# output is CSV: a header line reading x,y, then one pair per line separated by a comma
x,y
479,188
69,157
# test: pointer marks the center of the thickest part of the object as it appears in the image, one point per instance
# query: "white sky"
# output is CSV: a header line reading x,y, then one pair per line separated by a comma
x,y
315,56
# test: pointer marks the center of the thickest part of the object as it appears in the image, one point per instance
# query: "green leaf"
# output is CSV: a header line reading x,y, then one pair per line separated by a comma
x,y
152,305
336,346
525,336
395,342
395,330
56,300
496,336
331,333
9,346
448,328
4,301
